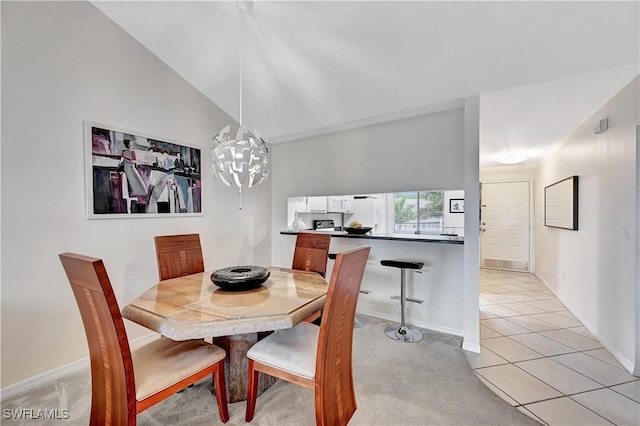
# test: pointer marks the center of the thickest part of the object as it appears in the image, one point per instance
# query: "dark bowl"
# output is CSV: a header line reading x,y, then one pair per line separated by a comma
x,y
238,278
357,230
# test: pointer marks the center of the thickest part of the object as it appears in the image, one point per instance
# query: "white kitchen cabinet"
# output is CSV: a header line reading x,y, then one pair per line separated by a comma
x,y
340,204
317,204
348,204
295,204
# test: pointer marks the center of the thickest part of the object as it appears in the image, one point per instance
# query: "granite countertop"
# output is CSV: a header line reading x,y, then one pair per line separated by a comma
x,y
423,238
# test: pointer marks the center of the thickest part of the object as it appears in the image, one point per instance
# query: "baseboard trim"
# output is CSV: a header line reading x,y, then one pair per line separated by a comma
x,y
623,360
43,379
427,326
471,347
52,375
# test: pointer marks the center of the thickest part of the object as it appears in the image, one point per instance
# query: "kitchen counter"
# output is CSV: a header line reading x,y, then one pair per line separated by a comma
x,y
440,284
422,238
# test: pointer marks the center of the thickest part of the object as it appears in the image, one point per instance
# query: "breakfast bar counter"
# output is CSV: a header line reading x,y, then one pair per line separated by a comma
x,y
422,238
439,284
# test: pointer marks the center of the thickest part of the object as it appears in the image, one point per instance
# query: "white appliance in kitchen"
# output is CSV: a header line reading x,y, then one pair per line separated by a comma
x,y
326,225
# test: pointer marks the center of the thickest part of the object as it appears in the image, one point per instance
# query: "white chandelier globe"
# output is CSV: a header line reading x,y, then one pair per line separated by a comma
x,y
243,161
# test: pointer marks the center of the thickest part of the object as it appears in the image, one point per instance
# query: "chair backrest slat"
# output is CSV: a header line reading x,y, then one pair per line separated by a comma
x,y
334,379
178,255
311,252
112,381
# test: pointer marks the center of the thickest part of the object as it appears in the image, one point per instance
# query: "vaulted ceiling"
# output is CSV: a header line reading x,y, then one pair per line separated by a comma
x,y
311,67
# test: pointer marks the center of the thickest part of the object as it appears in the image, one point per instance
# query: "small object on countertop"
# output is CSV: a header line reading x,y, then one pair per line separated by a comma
x,y
324,225
297,224
237,278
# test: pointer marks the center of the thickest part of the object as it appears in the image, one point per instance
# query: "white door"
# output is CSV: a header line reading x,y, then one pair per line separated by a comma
x,y
505,226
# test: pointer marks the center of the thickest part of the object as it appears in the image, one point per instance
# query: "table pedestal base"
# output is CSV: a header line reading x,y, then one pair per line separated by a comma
x,y
236,364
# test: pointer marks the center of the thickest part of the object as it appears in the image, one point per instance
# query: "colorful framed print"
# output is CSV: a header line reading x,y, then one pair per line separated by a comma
x,y
129,174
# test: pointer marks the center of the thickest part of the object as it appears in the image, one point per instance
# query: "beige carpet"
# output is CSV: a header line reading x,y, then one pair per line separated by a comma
x,y
424,383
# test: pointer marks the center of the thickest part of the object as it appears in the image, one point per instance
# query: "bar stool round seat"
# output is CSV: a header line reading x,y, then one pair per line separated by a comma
x,y
403,333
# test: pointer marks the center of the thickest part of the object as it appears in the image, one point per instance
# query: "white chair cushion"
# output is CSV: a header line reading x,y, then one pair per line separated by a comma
x,y
164,362
292,350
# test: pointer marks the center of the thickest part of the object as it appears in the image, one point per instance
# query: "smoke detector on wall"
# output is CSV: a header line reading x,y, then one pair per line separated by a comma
x,y
601,126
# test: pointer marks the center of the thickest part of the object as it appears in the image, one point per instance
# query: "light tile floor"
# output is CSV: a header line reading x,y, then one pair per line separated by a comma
x,y
539,358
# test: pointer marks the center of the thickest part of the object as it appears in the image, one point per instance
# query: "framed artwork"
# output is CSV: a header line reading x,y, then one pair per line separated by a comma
x,y
456,205
129,174
561,204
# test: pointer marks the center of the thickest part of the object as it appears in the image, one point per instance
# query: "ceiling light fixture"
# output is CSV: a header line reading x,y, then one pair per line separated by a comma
x,y
245,160
512,158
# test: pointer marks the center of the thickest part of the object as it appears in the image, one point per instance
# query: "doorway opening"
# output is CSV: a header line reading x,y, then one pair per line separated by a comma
x,y
505,217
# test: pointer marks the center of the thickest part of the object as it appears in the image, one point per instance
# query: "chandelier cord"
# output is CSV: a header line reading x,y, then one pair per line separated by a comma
x,y
242,160
242,12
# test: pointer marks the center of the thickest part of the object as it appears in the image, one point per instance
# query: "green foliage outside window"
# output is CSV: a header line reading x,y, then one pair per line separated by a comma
x,y
419,212
405,211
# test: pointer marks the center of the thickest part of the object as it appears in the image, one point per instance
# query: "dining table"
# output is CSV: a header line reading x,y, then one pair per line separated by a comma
x,y
193,307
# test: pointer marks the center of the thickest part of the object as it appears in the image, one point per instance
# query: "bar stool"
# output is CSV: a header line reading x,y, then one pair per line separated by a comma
x,y
403,333
359,320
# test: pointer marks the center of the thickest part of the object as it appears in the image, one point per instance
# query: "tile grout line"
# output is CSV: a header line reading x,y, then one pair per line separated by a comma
x,y
543,356
620,393
534,416
618,367
577,402
603,386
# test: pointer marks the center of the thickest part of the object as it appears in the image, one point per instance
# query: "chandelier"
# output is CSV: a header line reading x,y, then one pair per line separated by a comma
x,y
238,156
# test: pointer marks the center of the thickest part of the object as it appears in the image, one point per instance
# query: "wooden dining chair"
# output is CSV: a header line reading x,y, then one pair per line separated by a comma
x,y
315,357
311,254
178,255
124,382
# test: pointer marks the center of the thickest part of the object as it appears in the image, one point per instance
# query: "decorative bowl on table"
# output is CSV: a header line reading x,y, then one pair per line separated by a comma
x,y
360,231
238,278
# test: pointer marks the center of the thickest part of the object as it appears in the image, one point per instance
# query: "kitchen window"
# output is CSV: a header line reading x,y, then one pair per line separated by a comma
x,y
418,212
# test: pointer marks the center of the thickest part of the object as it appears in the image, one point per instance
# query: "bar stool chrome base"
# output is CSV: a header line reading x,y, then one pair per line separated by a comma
x,y
403,334
359,322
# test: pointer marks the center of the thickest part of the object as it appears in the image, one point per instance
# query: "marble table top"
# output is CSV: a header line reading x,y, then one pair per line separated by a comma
x,y
192,307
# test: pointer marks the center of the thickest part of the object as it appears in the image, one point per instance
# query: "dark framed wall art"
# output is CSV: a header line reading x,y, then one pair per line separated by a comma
x,y
456,205
561,204
129,174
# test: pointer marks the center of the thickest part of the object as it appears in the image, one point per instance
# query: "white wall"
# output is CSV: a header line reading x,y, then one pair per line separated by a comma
x,y
62,63
425,152
508,173
471,294
592,270
454,221
637,238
